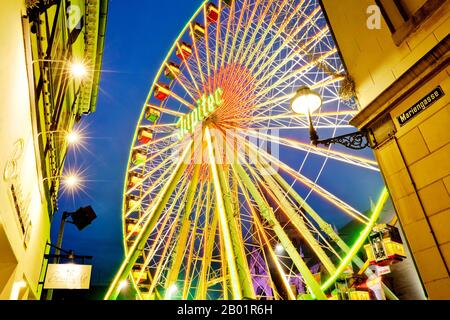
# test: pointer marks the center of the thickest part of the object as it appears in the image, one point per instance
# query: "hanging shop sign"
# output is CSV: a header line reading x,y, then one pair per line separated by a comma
x,y
68,276
206,105
421,106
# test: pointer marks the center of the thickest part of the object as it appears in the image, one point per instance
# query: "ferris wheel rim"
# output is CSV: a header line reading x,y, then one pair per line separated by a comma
x,y
155,84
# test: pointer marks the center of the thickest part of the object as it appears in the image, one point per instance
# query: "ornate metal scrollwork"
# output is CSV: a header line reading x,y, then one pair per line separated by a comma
x,y
356,141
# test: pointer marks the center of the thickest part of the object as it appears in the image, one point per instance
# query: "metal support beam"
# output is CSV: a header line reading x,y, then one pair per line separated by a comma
x,y
268,215
235,253
299,223
183,235
328,230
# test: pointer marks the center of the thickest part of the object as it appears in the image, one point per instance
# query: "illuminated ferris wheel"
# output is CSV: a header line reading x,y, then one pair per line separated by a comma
x,y
220,193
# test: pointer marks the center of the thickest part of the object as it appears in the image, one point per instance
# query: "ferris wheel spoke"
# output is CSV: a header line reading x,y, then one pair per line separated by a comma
x,y
181,82
156,244
250,45
227,33
267,30
307,182
297,73
271,71
217,43
262,233
210,66
327,153
236,31
263,54
210,230
182,239
276,194
241,282
289,116
193,252
190,265
191,75
178,98
247,28
267,213
197,56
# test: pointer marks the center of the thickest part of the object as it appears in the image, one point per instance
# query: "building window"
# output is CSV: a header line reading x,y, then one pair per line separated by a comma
x,y
403,17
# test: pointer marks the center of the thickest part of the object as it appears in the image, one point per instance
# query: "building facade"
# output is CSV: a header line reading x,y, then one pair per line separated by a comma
x,y
397,53
50,62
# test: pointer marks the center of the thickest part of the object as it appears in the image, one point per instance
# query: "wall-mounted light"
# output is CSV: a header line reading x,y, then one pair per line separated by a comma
x,y
306,101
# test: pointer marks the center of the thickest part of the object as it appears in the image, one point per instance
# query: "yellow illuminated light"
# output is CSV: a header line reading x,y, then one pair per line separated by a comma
x,y
123,284
72,181
78,70
205,106
73,137
306,101
171,291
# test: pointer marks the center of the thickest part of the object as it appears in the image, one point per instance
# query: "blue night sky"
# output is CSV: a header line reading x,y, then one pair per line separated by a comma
x,y
139,35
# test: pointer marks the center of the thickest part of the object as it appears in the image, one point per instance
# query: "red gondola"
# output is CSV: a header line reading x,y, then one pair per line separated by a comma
x,y
184,51
145,135
212,12
162,91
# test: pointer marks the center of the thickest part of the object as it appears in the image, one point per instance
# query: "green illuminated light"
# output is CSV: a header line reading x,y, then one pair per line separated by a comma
x,y
360,242
205,106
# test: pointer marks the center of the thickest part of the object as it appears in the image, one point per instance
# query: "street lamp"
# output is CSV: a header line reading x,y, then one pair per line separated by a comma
x,y
306,102
77,69
72,137
71,181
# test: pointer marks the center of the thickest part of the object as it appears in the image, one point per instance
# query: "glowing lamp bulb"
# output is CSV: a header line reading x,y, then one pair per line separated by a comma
x,y
72,181
123,284
78,70
171,291
73,138
306,101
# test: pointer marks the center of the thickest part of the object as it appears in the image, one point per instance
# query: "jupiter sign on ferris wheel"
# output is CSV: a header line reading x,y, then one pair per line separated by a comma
x,y
217,193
